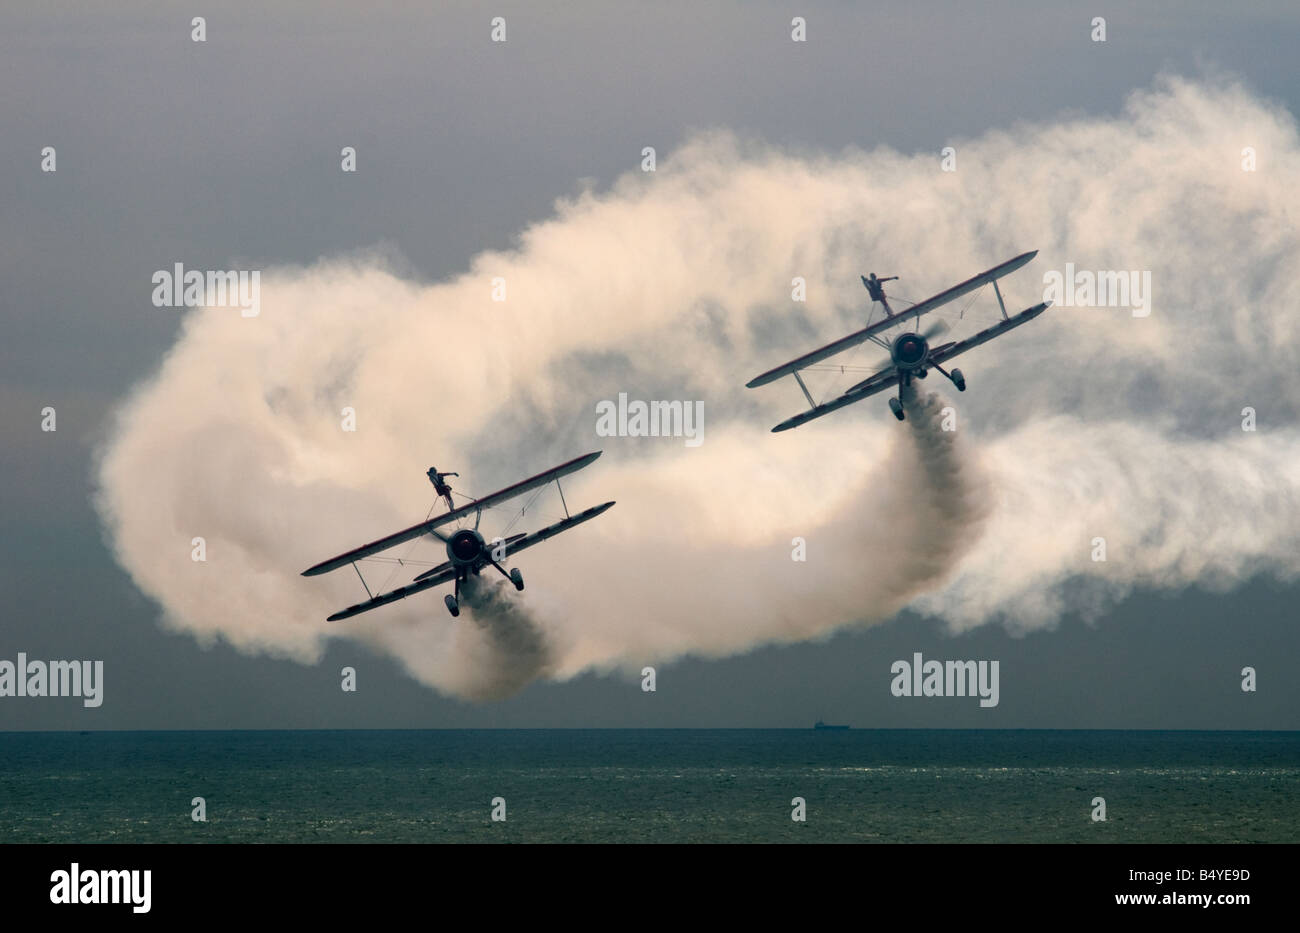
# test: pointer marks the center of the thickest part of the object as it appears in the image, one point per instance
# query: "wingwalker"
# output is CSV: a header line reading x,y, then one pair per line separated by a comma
x,y
910,353
467,552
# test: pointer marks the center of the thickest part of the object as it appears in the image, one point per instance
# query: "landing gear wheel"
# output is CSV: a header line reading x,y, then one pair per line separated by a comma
x,y
517,578
959,380
452,605
897,408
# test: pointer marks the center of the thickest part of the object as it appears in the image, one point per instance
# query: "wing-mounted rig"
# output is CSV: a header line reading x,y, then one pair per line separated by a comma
x,y
911,354
441,486
467,550
876,289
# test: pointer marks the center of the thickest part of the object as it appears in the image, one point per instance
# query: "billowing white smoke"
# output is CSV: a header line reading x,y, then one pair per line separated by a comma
x,y
1085,424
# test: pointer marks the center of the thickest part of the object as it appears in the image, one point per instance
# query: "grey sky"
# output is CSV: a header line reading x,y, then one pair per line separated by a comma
x,y
227,152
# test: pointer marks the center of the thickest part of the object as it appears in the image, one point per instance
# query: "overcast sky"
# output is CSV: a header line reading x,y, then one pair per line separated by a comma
x,y
225,154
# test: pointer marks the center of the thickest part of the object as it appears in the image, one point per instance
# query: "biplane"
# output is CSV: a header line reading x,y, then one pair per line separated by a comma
x,y
910,352
467,551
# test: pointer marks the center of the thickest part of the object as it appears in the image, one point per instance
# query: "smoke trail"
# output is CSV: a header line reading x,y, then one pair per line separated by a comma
x,y
951,495
509,649
1086,425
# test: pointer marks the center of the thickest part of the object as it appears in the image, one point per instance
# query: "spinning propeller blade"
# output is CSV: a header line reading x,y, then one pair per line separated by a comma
x,y
934,330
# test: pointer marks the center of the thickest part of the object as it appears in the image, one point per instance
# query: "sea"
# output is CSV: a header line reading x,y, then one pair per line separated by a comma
x,y
650,786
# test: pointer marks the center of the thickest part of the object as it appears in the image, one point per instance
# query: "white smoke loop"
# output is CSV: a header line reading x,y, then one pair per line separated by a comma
x,y
1085,424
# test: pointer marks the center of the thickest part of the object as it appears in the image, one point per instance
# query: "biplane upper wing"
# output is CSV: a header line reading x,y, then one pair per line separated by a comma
x,y
852,340
443,574
426,527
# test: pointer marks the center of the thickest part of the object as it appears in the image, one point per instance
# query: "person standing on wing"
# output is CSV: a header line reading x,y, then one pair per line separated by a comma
x,y
442,487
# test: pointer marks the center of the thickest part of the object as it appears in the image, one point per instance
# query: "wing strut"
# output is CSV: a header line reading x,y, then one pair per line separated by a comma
x,y
363,580
1001,304
806,393
561,489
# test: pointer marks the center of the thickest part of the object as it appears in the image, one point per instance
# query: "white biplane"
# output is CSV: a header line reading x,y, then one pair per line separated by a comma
x,y
467,551
911,354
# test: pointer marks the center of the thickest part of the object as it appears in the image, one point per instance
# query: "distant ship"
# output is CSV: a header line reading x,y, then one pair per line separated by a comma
x,y
821,725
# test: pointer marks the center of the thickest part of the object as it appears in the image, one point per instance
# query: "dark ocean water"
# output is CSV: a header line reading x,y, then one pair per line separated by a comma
x,y
651,786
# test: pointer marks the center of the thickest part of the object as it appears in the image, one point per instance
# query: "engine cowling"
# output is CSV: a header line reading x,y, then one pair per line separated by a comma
x,y
465,547
909,350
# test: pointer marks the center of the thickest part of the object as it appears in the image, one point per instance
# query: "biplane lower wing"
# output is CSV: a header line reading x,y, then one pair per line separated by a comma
x,y
852,340
441,575
876,384
427,527
393,596
550,531
948,350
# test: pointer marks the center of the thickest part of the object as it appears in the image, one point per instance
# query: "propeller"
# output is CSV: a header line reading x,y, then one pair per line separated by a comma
x,y
936,328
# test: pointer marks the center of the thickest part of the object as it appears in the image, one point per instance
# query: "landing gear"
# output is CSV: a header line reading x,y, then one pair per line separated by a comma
x,y
897,408
514,576
453,600
957,378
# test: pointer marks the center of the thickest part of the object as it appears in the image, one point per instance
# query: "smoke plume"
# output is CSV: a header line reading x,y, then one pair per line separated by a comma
x,y
507,647
1087,424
